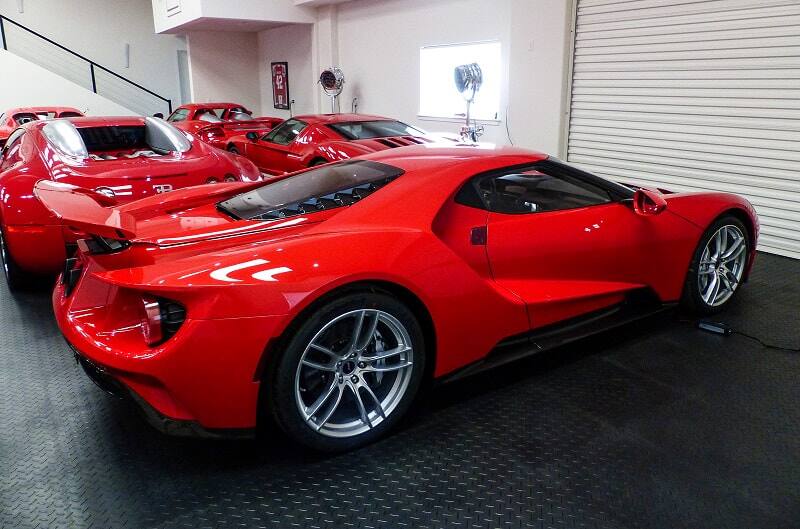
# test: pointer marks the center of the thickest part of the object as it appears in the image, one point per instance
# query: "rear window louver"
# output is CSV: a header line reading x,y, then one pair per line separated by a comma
x,y
342,198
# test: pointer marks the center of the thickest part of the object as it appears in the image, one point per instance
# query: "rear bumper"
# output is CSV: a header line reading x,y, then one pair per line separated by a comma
x,y
167,425
202,381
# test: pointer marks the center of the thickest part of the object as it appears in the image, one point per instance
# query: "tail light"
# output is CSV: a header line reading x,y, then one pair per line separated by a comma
x,y
161,319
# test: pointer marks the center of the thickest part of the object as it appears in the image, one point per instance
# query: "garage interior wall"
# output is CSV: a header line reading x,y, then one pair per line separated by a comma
x,y
694,95
224,67
381,63
34,86
292,44
99,30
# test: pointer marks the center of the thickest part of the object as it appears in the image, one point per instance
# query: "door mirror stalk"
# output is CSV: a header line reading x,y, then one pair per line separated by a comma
x,y
647,202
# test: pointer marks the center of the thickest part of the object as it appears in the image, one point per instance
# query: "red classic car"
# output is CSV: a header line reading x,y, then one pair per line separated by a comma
x,y
216,123
14,117
121,158
325,298
305,141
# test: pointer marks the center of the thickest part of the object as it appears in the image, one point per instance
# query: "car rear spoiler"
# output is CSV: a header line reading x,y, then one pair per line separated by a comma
x,y
85,210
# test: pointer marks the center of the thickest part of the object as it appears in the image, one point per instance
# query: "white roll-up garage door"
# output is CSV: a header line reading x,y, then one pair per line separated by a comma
x,y
693,95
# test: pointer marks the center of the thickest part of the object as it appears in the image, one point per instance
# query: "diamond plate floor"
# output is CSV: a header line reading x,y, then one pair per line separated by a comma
x,y
659,425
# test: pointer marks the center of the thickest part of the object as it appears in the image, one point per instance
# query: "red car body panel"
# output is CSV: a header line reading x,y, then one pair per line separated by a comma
x,y
36,238
219,134
318,142
8,122
243,282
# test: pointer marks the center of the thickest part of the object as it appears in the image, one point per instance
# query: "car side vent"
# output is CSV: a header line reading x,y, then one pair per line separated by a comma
x,y
388,143
341,198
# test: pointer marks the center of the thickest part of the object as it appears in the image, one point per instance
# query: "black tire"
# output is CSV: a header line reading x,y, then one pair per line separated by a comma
x,y
16,278
318,161
232,149
692,299
284,372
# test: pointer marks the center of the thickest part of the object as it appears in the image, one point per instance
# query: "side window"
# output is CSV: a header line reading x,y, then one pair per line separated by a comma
x,y
286,132
179,115
537,188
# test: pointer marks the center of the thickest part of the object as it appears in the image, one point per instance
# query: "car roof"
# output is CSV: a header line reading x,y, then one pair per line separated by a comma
x,y
34,110
429,155
313,119
194,106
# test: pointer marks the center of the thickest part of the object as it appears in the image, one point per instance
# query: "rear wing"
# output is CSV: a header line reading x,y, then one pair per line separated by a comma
x,y
85,210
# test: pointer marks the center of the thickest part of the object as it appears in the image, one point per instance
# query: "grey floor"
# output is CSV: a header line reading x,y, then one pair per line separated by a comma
x,y
658,425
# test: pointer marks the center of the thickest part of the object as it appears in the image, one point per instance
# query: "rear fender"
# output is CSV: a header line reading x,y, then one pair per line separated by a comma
x,y
284,278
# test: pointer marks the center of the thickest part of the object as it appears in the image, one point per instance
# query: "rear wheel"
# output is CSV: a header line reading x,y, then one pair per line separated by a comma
x,y
717,267
349,373
318,161
15,277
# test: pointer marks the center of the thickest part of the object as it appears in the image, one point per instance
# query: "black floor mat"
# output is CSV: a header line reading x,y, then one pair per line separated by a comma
x,y
658,425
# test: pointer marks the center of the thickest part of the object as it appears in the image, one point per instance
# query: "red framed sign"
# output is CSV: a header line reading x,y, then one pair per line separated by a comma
x,y
280,85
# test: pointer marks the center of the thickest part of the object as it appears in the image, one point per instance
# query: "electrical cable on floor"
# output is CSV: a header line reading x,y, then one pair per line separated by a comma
x,y
724,329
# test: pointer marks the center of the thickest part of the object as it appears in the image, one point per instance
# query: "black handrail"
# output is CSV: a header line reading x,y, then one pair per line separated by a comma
x,y
92,64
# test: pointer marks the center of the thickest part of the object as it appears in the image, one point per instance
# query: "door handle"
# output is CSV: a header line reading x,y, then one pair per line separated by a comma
x,y
478,236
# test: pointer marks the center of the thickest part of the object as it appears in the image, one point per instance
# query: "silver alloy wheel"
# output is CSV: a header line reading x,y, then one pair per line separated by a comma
x,y
722,265
354,373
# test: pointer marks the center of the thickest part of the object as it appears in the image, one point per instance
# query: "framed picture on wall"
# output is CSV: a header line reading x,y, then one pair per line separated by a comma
x,y
280,85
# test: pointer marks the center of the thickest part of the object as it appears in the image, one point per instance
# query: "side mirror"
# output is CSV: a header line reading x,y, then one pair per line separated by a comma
x,y
252,136
647,202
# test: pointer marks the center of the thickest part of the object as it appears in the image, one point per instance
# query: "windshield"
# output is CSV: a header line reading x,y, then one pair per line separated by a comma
x,y
327,187
362,130
240,115
286,132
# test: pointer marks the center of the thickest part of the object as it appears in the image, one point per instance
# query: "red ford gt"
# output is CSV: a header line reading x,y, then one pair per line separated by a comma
x,y
306,141
13,118
216,123
122,158
325,298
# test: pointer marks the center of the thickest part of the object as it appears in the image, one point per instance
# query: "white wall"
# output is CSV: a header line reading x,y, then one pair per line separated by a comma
x,y
377,43
98,29
36,86
224,67
291,44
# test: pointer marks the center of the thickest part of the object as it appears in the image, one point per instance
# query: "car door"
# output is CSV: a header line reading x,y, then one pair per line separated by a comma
x,y
280,150
568,243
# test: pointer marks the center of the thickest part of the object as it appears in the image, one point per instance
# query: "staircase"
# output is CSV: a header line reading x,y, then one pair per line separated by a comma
x,y
42,51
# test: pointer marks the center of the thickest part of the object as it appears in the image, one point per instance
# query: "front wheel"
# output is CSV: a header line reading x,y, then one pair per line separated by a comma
x,y
232,149
349,373
717,267
15,277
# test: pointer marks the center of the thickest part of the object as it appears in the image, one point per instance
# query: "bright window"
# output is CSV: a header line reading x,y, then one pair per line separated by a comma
x,y
438,96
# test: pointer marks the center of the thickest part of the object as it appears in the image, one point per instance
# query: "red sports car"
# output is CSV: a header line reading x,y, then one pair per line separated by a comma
x,y
13,118
306,141
122,158
216,123
327,297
